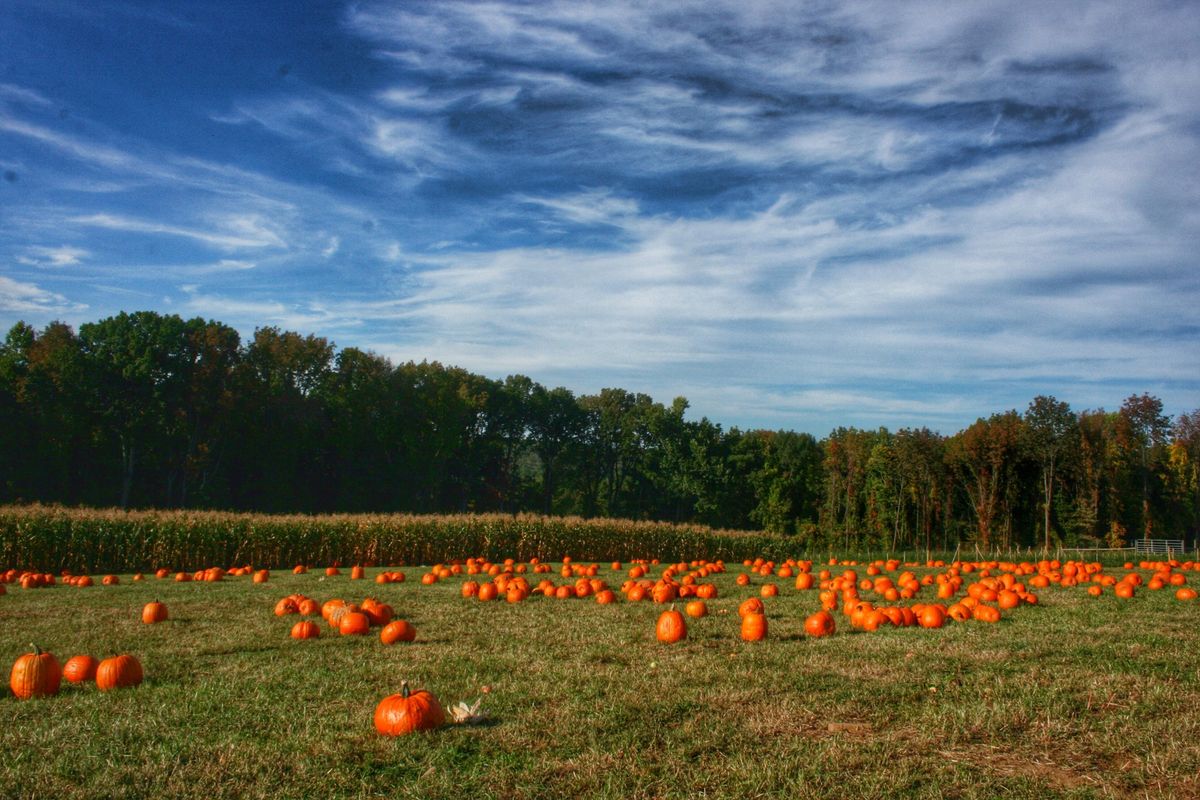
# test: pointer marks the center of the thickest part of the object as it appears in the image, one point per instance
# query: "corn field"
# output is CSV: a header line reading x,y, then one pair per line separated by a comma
x,y
94,540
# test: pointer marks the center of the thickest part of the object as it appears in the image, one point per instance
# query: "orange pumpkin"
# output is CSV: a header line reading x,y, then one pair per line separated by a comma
x,y
754,626
670,628
118,672
397,630
305,629
819,624
354,623
931,616
403,713
80,668
35,674
751,606
153,612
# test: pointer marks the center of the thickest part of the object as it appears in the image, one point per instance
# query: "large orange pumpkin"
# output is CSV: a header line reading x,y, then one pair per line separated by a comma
x,y
819,624
154,611
397,630
408,711
931,616
354,623
35,674
118,672
754,626
670,628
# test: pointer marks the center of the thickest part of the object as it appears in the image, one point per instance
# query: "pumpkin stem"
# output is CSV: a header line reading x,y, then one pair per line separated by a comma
x,y
404,689
37,651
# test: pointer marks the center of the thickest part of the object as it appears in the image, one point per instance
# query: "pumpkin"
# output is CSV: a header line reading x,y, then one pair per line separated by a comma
x,y
409,711
80,668
931,616
670,628
397,630
984,613
35,674
754,626
819,624
285,606
154,612
696,609
605,597
306,629
117,672
353,623
356,573
751,606
308,607
328,607
379,613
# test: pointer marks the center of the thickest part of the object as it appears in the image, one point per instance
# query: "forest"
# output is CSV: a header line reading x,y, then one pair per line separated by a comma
x,y
145,410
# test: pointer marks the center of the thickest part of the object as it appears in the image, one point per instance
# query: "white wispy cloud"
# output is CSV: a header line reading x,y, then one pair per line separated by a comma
x,y
793,214
239,232
19,297
61,256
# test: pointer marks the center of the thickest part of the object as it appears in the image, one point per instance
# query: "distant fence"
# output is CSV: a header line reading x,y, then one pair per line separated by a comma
x,y
1159,547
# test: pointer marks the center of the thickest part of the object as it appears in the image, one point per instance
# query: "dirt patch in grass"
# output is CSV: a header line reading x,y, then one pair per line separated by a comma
x,y
1038,768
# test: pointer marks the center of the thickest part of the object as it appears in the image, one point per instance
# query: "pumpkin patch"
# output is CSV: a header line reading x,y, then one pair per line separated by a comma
x,y
807,633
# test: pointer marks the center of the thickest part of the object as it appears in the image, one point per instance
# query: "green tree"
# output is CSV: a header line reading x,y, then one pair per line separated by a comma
x,y
556,426
920,454
1143,431
1049,432
137,365
985,456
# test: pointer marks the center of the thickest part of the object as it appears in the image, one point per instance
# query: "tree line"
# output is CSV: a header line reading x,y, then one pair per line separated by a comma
x,y
154,411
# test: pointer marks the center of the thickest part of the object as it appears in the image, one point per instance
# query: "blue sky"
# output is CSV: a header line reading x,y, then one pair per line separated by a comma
x,y
796,215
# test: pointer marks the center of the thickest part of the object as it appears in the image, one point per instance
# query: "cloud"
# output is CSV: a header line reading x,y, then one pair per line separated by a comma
x,y
11,93
61,256
26,298
796,215
240,231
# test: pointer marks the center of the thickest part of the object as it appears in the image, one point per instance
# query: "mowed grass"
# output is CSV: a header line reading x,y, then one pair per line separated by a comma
x,y
1076,697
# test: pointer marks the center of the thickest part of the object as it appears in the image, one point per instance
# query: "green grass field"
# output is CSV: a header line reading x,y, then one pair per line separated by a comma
x,y
1074,697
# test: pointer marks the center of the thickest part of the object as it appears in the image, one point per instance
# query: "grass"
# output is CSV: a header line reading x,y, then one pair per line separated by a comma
x,y
1073,698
